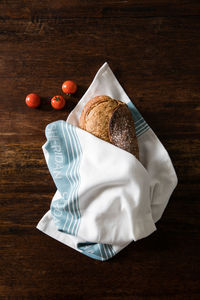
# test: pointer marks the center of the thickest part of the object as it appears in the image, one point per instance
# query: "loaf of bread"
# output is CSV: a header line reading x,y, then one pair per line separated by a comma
x,y
110,120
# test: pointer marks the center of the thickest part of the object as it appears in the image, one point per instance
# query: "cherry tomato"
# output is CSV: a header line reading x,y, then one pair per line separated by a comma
x,y
69,87
33,100
58,102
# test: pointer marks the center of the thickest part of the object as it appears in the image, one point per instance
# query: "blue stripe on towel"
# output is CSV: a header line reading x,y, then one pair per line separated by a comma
x,y
96,251
72,175
140,124
79,151
64,151
64,161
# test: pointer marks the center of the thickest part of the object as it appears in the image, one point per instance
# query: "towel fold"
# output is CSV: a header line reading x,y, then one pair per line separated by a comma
x,y
105,197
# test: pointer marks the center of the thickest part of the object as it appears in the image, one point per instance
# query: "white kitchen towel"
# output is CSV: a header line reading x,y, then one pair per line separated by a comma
x,y
105,197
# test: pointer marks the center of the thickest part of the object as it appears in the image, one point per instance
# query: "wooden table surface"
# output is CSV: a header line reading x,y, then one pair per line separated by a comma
x,y
153,47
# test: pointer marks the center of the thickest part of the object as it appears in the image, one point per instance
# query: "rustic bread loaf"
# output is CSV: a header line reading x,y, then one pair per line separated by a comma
x,y
110,120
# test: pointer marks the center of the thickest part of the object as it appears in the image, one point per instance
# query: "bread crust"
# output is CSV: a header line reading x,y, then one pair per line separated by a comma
x,y
122,130
88,106
96,115
110,120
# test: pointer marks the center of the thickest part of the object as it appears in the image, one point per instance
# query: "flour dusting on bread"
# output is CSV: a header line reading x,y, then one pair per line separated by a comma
x,y
110,120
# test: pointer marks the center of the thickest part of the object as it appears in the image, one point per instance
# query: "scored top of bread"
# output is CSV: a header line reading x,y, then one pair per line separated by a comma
x,y
110,120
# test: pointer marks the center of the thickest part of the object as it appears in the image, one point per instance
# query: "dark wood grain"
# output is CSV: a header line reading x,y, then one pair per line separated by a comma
x,y
153,48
